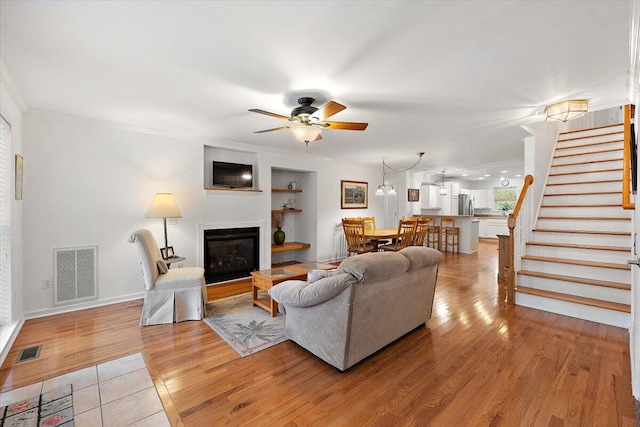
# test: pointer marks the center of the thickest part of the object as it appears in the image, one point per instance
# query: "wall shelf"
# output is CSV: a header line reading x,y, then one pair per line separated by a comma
x,y
284,190
289,246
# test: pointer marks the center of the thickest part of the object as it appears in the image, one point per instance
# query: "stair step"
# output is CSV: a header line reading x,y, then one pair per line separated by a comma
x,y
583,206
581,193
577,262
586,218
625,308
590,144
582,172
580,246
584,182
603,128
599,232
593,282
589,162
586,153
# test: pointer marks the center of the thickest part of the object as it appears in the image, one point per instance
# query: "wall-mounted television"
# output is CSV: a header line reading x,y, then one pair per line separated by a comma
x,y
232,175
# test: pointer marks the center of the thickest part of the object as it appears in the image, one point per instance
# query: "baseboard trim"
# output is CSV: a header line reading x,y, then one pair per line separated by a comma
x,y
82,306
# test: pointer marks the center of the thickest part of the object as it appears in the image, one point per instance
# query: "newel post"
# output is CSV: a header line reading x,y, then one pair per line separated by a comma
x,y
510,269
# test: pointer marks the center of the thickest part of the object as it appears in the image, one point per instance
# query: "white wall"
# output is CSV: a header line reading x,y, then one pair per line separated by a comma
x,y
11,108
90,182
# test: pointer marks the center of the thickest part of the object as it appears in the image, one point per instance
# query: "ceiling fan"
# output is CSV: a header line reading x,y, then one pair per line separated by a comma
x,y
308,121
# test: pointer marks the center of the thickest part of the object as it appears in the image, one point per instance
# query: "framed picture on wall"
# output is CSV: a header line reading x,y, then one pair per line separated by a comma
x,y
354,194
413,194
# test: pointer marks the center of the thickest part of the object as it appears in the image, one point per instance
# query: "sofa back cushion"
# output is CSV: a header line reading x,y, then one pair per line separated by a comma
x,y
421,256
374,266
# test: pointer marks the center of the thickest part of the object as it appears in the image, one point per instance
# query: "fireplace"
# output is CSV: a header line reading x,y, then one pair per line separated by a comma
x,y
230,253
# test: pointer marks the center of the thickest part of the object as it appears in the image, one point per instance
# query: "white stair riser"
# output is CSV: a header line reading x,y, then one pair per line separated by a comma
x,y
579,311
581,239
582,177
573,211
584,139
594,167
619,127
614,144
596,273
580,289
582,199
561,158
579,254
583,225
584,188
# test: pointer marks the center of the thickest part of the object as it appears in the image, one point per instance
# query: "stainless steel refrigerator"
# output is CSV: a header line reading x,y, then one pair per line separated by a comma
x,y
465,204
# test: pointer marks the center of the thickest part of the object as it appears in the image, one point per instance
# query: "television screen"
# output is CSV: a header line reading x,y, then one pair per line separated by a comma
x,y
232,175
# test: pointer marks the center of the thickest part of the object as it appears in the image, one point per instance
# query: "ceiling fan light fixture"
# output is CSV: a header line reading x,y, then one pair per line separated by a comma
x,y
305,133
567,110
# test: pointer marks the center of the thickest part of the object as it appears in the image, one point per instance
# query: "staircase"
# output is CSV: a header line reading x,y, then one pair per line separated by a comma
x,y
575,263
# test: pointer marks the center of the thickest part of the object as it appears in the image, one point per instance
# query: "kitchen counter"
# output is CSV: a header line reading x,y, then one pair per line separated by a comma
x,y
469,231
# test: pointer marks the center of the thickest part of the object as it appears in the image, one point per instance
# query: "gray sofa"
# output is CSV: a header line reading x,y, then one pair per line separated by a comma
x,y
368,302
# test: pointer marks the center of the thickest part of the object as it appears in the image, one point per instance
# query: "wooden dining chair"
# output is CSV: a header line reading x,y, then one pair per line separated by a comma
x,y
449,234
406,230
370,225
422,228
354,234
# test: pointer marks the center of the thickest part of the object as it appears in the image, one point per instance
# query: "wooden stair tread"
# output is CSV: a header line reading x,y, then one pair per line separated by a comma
x,y
577,262
583,194
592,144
586,153
583,172
588,162
586,205
606,233
587,218
585,182
603,283
625,308
580,246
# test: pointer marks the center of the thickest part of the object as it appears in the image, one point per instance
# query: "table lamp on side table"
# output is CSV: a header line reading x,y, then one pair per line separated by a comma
x,y
164,206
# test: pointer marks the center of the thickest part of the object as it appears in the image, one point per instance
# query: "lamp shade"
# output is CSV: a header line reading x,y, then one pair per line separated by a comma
x,y
163,205
305,133
567,110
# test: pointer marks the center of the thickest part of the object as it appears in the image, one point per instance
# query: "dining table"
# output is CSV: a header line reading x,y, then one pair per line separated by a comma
x,y
378,234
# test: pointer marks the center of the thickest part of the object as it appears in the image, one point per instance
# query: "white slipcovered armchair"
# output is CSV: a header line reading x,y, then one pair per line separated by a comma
x,y
176,295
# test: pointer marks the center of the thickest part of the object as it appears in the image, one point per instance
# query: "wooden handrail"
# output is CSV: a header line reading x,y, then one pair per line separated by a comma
x,y
511,223
626,161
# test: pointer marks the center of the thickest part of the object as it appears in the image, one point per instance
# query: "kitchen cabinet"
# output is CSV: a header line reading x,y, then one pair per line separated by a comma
x,y
430,197
491,227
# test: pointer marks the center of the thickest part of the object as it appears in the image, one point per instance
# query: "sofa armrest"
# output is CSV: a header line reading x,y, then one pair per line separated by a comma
x,y
298,293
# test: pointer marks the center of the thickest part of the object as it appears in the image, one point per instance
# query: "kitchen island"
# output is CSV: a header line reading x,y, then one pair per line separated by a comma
x,y
469,231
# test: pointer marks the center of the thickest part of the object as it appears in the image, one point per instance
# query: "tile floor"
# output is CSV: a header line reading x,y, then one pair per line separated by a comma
x,y
113,394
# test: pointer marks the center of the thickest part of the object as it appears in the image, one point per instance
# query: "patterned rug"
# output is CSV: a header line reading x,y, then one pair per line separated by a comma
x,y
245,328
49,409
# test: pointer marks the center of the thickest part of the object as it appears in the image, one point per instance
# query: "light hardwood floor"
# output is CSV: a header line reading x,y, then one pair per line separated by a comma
x,y
477,362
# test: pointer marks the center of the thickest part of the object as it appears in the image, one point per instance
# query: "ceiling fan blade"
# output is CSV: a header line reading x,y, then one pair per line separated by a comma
x,y
267,113
271,130
345,125
328,110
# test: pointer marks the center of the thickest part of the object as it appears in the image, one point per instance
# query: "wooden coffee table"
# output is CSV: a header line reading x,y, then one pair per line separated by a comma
x,y
266,279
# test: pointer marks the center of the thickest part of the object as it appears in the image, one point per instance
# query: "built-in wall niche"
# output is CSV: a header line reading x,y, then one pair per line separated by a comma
x,y
219,154
294,195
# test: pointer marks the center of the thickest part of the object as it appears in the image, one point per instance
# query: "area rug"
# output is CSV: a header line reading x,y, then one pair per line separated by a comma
x,y
245,328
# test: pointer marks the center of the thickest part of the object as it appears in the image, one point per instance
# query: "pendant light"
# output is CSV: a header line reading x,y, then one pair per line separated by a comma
x,y
382,189
443,189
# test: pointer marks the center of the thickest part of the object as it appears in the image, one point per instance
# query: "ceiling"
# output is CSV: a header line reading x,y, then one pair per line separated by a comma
x,y
455,79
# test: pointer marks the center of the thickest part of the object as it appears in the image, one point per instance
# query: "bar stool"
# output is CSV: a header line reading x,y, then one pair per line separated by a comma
x,y
433,233
449,234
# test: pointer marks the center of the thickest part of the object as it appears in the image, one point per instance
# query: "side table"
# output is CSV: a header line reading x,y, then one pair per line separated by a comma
x,y
178,260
